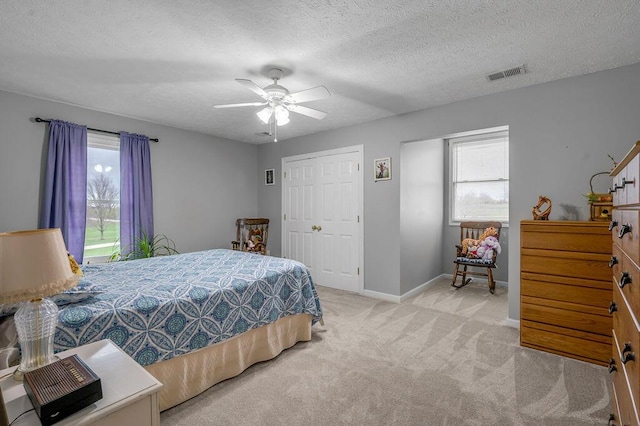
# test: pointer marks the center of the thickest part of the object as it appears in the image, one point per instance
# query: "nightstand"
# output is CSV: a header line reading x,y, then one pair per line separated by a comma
x,y
130,393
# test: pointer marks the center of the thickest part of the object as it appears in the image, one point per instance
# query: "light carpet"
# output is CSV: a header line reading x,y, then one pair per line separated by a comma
x,y
444,357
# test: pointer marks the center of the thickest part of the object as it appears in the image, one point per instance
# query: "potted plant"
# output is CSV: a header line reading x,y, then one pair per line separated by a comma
x,y
144,246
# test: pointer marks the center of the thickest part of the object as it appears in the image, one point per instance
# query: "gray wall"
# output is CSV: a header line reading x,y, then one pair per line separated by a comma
x,y
560,134
421,212
201,183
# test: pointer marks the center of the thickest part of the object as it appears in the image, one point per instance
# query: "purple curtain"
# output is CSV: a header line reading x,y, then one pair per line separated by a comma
x,y
65,191
136,195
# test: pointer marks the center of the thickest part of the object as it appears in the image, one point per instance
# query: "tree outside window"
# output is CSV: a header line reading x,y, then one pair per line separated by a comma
x,y
103,202
102,234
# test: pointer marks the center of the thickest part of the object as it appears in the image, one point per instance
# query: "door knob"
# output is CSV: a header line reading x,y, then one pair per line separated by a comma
x,y
314,228
319,228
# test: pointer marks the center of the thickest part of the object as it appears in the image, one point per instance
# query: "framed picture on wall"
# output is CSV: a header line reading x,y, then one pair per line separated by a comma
x,y
269,177
382,169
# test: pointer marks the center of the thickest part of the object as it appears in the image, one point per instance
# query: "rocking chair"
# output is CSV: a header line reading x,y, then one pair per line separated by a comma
x,y
471,236
251,235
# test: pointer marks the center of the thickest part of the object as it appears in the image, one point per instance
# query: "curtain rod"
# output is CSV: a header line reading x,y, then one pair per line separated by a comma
x,y
42,120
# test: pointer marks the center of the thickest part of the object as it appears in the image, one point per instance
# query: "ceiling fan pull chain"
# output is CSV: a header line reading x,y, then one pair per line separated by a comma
x,y
275,129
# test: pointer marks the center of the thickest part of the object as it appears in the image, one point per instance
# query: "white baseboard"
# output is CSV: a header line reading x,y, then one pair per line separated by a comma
x,y
407,295
420,288
397,299
512,323
381,296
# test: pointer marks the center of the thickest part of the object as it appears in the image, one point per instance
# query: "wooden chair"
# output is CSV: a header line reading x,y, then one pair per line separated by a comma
x,y
251,235
469,252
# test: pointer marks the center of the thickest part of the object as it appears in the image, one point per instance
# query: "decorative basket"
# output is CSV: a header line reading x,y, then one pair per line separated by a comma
x,y
600,205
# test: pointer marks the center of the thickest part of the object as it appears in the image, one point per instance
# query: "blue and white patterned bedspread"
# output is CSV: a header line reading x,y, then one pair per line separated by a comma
x,y
162,307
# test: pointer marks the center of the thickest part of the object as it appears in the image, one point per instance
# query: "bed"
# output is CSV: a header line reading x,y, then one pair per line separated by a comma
x,y
194,319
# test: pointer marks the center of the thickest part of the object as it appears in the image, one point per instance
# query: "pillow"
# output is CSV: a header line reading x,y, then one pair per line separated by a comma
x,y
79,293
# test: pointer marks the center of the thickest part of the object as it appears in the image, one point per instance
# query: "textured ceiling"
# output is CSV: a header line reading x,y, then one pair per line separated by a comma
x,y
170,61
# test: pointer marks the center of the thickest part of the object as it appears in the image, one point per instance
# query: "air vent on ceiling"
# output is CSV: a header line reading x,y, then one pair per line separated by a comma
x,y
506,73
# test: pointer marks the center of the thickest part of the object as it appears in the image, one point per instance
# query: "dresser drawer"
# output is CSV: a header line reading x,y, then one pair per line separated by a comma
x,y
566,289
615,409
617,259
630,183
590,266
626,349
627,409
566,342
628,281
567,236
618,197
629,233
567,315
621,405
614,226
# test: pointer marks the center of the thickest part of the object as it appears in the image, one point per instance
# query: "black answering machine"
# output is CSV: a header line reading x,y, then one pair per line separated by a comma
x,y
61,388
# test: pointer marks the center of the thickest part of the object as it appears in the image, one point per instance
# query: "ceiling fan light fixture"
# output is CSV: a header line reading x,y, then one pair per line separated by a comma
x,y
278,101
281,112
282,121
265,115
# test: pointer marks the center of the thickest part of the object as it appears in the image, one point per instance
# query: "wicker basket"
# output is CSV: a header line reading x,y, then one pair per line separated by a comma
x,y
600,205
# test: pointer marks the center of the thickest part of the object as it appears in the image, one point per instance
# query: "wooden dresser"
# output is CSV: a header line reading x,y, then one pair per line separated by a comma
x,y
565,288
625,307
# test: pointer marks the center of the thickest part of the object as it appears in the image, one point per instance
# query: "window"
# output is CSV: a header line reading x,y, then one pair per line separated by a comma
x,y
102,234
479,176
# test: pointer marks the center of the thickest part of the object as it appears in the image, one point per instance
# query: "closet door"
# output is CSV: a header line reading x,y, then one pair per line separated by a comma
x,y
299,186
321,221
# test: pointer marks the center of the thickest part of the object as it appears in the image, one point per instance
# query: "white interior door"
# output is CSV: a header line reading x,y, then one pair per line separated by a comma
x,y
299,186
322,227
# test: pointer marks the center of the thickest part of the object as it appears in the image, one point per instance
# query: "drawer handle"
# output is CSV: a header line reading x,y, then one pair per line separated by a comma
x,y
614,189
626,348
625,229
612,418
613,307
624,280
628,182
613,261
629,356
613,224
612,365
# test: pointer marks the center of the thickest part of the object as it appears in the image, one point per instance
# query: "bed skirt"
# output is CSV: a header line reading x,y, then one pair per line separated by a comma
x,y
190,374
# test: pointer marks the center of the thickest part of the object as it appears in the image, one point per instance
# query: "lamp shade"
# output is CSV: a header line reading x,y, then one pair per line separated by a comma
x,y
33,264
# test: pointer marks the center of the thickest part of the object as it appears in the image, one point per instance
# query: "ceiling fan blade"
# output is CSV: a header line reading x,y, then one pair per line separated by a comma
x,y
312,94
240,105
309,112
253,87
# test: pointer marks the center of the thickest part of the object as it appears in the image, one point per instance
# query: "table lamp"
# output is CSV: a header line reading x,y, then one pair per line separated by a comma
x,y
33,265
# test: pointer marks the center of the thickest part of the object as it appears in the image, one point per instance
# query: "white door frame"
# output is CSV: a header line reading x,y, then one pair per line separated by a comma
x,y
359,149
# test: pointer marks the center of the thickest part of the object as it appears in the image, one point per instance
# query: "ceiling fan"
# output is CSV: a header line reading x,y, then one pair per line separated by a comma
x,y
278,101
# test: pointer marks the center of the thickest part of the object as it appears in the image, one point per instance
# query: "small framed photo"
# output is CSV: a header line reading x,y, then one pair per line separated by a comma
x,y
382,169
269,177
